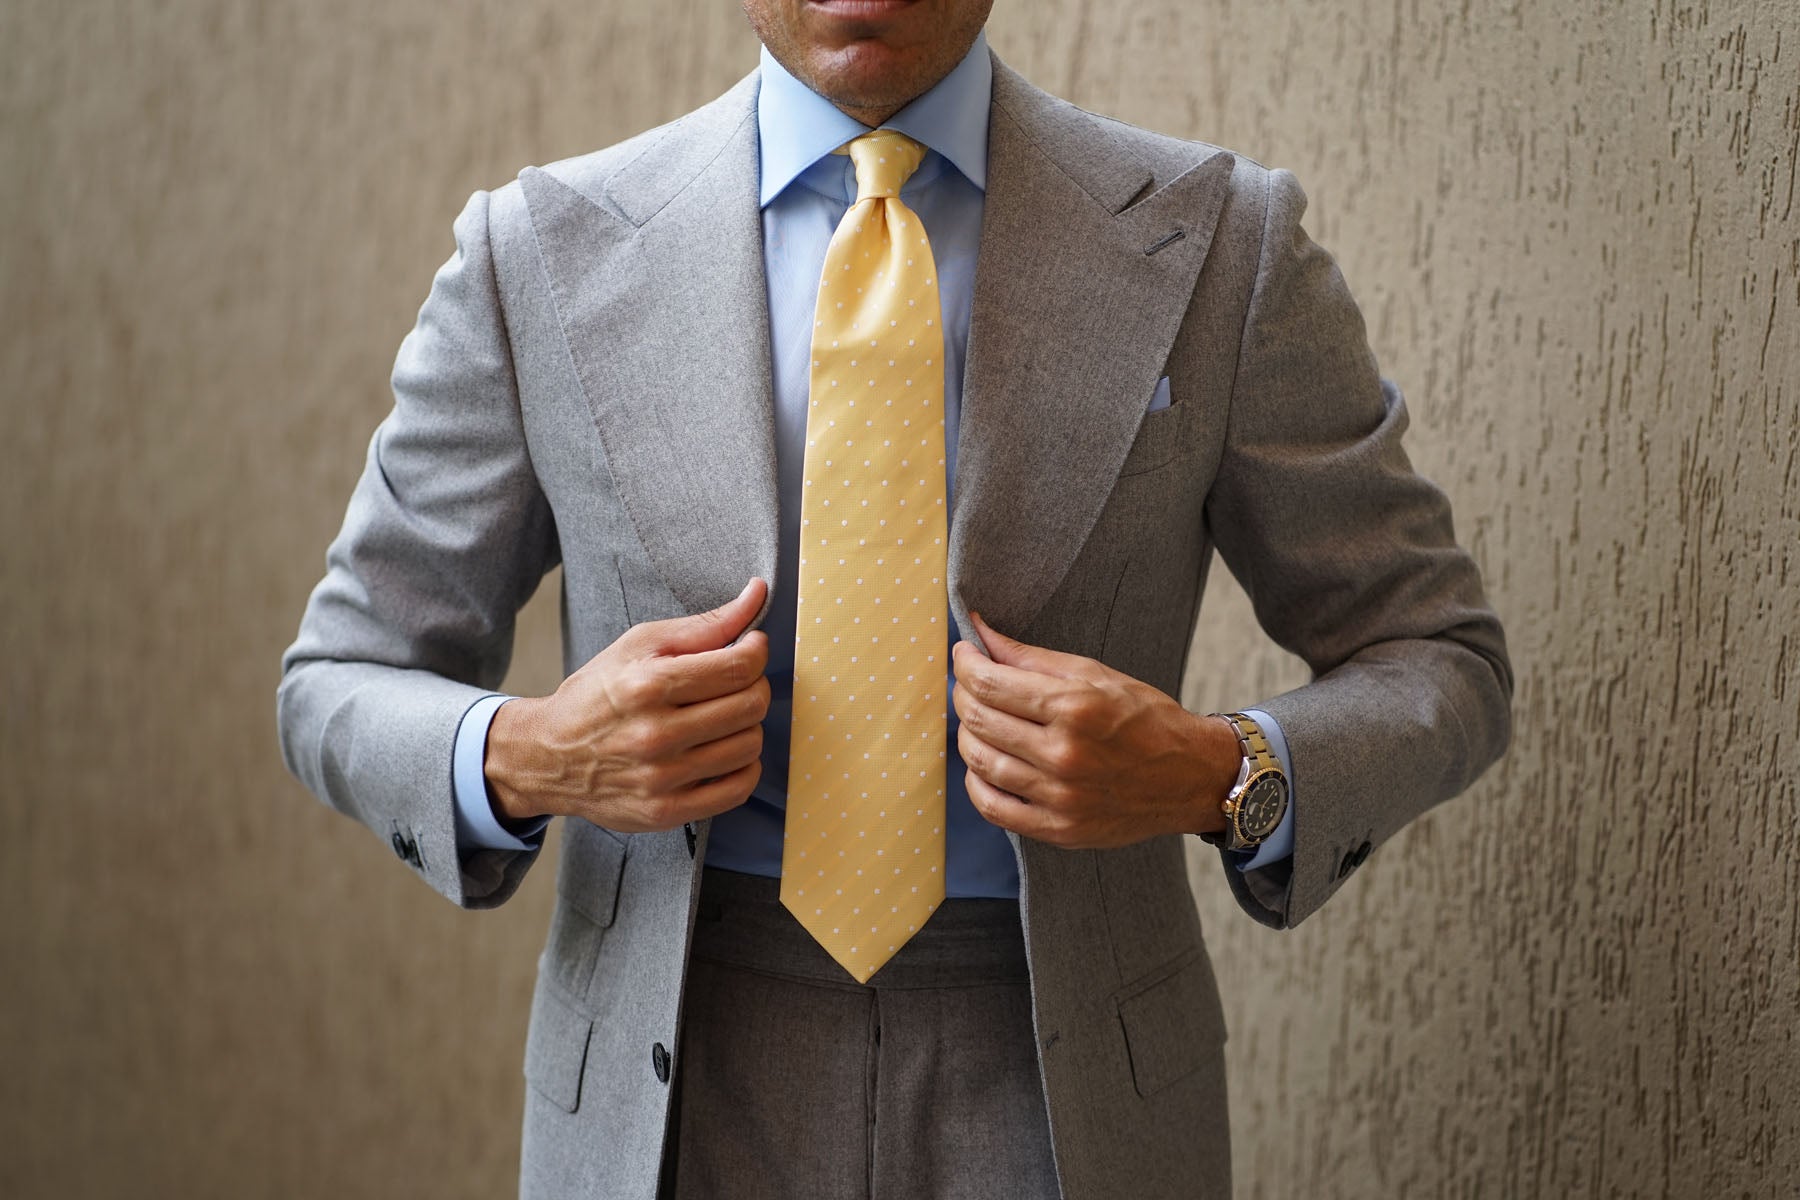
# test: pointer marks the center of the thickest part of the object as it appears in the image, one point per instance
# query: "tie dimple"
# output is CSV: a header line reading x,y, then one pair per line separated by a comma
x,y
862,863
884,160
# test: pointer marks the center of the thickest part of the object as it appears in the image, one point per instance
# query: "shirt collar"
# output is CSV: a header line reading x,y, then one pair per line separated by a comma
x,y
796,126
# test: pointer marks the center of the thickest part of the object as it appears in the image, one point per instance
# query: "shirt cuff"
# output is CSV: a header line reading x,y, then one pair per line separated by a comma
x,y
477,828
1280,844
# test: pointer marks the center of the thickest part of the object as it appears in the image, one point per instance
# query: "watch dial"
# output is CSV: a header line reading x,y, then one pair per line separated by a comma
x,y
1263,803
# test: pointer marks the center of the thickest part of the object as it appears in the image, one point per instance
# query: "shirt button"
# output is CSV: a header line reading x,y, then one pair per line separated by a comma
x,y
659,1062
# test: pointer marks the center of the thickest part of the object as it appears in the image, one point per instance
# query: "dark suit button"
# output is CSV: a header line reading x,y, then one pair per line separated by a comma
x,y
659,1061
412,854
1362,853
1347,864
399,844
692,837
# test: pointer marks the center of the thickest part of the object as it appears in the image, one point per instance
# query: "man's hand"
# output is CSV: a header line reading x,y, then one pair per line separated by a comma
x,y
660,728
1069,751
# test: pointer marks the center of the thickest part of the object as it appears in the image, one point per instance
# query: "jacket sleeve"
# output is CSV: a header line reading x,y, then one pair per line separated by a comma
x,y
446,536
1350,560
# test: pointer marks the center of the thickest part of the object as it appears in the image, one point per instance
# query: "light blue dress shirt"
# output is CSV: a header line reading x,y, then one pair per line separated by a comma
x,y
805,190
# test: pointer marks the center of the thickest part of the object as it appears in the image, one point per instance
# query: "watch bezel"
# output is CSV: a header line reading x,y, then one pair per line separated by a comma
x,y
1240,793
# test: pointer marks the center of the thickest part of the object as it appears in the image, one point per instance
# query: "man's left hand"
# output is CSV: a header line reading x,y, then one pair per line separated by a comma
x,y
1066,750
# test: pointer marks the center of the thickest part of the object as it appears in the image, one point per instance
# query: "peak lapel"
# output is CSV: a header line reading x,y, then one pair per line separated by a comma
x,y
657,274
1079,293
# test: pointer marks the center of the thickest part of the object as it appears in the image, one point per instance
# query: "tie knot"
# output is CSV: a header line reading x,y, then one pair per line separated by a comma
x,y
884,161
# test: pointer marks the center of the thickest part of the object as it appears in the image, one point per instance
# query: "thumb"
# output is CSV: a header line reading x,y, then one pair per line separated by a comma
x,y
713,629
1013,653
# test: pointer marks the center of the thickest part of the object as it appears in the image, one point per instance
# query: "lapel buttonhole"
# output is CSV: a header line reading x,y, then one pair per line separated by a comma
x,y
1166,240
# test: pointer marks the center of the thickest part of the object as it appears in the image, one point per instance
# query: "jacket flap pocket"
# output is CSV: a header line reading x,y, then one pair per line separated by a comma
x,y
1172,1024
588,876
556,1047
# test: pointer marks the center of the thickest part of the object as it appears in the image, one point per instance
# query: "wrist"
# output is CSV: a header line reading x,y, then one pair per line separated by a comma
x,y
506,764
1218,757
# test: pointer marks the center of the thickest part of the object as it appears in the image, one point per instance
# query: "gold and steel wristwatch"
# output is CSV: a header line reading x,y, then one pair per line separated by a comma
x,y
1259,799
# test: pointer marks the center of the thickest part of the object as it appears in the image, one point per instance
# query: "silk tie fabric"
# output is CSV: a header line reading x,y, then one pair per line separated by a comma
x,y
862,865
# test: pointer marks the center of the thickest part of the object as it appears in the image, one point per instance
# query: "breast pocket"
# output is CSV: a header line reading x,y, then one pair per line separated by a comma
x,y
1160,436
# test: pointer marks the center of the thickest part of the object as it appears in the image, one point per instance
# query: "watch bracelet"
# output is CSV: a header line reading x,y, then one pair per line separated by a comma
x,y
1253,741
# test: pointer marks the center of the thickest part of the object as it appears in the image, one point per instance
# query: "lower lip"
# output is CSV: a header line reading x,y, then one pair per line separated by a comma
x,y
862,8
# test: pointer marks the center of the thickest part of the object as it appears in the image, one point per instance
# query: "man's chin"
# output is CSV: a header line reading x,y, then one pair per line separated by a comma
x,y
870,75
868,57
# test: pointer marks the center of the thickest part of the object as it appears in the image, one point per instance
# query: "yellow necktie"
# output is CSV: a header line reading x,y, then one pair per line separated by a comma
x,y
862,864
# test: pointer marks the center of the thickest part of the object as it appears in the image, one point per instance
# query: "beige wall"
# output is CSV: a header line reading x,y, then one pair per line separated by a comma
x,y
1573,229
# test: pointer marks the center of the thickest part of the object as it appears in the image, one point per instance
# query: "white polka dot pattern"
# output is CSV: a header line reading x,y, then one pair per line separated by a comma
x,y
862,865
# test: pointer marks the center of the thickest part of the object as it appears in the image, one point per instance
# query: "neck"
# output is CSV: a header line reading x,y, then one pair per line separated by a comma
x,y
872,117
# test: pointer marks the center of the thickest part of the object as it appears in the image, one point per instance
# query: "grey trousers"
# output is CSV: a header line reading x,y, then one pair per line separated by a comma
x,y
794,1082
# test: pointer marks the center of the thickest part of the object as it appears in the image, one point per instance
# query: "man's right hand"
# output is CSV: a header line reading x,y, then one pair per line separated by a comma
x,y
662,727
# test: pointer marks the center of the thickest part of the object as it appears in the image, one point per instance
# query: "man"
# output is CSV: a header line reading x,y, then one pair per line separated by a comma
x,y
1119,352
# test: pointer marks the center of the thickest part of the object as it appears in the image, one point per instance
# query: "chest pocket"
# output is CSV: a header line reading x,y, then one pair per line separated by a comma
x,y
1160,439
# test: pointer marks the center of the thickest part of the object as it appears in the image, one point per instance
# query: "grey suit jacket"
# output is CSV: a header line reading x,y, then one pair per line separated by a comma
x,y
589,383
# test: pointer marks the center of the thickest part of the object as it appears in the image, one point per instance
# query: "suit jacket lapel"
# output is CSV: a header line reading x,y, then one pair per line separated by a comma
x,y
657,274
1086,267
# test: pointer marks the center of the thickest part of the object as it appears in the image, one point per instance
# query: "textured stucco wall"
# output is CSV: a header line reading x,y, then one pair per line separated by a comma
x,y
1574,232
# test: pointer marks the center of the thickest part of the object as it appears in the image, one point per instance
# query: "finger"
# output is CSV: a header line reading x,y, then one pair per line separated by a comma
x,y
707,674
1023,739
710,630
1013,652
1007,811
708,720
714,759
715,796
1016,690
1001,770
